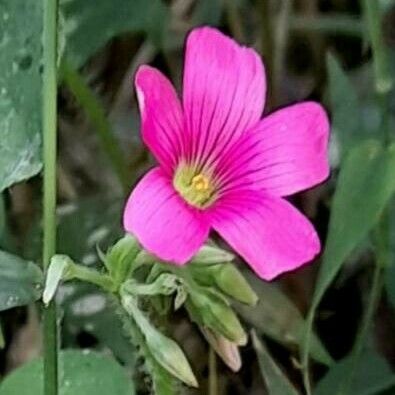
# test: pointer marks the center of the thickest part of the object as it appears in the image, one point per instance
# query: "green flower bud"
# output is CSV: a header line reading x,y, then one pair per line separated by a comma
x,y
120,259
209,255
209,309
232,282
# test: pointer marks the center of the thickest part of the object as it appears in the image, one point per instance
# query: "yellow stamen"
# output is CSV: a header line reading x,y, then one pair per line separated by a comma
x,y
200,183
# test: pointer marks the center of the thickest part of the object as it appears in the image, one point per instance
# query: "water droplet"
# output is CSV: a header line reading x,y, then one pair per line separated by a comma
x,y
25,62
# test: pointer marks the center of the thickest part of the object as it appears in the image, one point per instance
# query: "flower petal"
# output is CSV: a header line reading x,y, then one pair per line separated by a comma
x,y
161,116
283,154
223,93
162,222
268,232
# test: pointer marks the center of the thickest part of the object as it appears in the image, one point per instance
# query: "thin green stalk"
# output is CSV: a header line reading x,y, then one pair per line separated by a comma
x,y
49,97
234,20
96,114
91,276
267,45
305,354
213,376
338,24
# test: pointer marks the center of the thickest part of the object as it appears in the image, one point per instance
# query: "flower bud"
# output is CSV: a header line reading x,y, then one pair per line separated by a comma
x,y
232,282
209,309
210,255
227,350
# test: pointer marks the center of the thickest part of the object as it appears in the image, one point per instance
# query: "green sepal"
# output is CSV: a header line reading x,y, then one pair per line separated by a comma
x,y
121,258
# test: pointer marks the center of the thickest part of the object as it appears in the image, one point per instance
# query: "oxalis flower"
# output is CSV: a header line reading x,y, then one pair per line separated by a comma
x,y
221,166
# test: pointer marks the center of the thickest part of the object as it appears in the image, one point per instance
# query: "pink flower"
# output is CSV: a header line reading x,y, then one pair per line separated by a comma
x,y
222,166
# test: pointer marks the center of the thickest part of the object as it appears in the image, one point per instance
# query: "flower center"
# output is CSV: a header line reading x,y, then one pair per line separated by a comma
x,y
195,187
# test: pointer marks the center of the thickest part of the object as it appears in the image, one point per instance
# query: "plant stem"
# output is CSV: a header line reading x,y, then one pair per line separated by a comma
x,y
49,98
91,276
213,377
96,114
338,24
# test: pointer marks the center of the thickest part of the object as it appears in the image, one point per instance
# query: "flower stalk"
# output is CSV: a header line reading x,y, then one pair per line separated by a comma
x,y
49,108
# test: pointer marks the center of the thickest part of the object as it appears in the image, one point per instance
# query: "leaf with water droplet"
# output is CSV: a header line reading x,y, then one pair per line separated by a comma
x,y
20,87
20,281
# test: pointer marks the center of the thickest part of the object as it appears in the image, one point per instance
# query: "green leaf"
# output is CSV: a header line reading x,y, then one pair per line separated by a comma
x,y
20,281
86,373
346,120
365,186
20,87
88,28
276,382
372,375
277,317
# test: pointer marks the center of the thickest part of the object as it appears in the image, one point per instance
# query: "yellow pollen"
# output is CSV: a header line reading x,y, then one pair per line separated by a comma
x,y
200,183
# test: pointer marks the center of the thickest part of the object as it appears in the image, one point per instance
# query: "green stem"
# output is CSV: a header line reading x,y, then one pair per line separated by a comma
x,y
91,276
213,377
96,114
329,24
49,97
305,354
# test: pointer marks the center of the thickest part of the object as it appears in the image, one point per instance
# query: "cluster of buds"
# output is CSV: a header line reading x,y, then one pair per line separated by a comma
x,y
144,286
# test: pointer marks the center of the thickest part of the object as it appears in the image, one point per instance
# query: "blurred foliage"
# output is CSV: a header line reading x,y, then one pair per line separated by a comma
x,y
102,44
373,376
106,20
